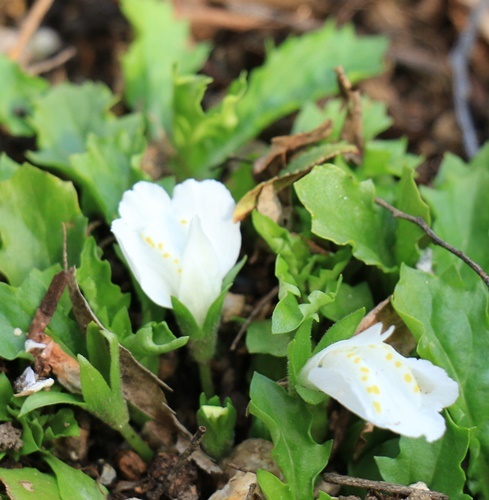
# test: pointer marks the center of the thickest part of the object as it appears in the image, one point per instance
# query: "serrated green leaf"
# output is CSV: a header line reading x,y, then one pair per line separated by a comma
x,y
73,483
374,117
27,483
386,157
459,206
343,211
302,69
197,135
451,324
162,43
64,117
17,93
437,464
289,421
33,207
19,305
107,301
109,167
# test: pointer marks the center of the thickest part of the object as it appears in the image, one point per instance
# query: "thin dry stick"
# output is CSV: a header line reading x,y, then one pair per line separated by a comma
x,y
193,445
259,306
419,221
29,27
392,488
461,81
53,62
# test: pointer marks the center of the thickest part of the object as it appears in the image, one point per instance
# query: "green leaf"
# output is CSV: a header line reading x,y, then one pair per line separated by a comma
x,y
8,167
152,340
342,330
347,300
109,167
33,207
260,339
343,211
374,117
408,234
6,394
199,136
386,157
107,301
277,89
272,487
101,382
451,324
45,398
301,70
17,93
437,464
461,220
161,43
73,483
18,308
289,421
64,118
27,483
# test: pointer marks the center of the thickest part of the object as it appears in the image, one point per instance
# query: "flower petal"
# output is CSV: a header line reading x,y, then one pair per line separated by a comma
x,y
378,384
438,389
145,263
214,205
144,203
200,282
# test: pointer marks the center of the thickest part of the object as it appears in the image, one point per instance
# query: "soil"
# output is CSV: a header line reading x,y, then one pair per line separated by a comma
x,y
417,88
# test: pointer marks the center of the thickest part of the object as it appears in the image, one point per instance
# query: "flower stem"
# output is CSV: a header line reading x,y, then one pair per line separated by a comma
x,y
137,443
206,378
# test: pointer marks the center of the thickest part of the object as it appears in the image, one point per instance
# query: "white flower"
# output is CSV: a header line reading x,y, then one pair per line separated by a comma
x,y
181,247
373,380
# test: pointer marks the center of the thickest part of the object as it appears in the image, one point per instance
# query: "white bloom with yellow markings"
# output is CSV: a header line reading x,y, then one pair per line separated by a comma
x,y
371,379
181,246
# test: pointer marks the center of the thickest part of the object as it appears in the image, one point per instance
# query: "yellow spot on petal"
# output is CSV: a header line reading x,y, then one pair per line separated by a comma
x,y
364,369
350,355
160,246
398,364
389,356
416,388
357,360
372,346
377,407
365,378
179,270
149,241
184,221
408,378
166,255
373,389
176,261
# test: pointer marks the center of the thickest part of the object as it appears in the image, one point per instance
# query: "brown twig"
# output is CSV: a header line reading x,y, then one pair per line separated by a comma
x,y
257,309
461,80
193,445
29,27
419,221
392,488
52,63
